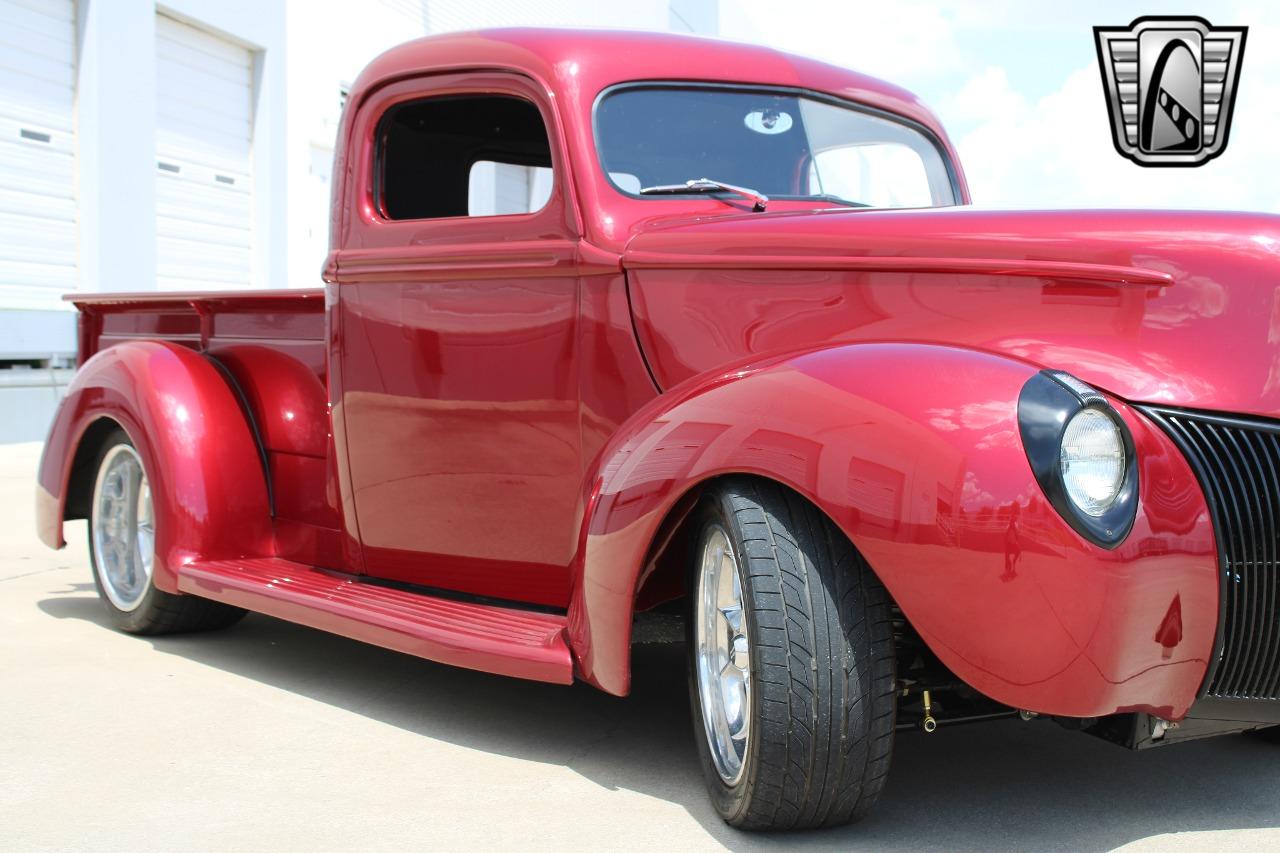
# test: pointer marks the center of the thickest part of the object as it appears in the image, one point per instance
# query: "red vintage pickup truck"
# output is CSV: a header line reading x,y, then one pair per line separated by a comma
x,y
620,324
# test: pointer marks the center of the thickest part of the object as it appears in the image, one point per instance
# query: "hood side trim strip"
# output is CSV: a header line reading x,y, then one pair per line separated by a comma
x,y
1126,275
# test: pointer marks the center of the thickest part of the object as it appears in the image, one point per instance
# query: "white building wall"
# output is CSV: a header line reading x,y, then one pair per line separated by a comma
x,y
116,119
117,110
115,122
260,27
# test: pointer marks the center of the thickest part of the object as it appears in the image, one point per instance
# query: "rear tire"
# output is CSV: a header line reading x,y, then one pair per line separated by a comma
x,y
122,551
813,745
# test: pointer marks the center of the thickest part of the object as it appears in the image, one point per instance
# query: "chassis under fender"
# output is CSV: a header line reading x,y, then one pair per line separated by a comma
x,y
914,452
204,464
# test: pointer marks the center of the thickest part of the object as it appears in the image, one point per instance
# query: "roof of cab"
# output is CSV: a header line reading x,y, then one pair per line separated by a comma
x,y
575,65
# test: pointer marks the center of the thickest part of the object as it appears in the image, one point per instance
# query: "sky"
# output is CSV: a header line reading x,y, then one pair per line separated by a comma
x,y
1018,88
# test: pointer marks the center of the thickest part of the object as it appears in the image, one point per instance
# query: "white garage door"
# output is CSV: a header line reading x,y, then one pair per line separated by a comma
x,y
204,133
37,152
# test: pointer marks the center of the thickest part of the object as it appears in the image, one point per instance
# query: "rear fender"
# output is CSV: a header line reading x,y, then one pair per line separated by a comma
x,y
914,452
288,400
208,487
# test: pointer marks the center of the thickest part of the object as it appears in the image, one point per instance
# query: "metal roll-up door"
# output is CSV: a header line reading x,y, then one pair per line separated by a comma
x,y
204,138
37,153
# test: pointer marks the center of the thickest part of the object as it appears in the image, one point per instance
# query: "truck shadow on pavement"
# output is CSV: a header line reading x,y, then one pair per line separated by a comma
x,y
1003,785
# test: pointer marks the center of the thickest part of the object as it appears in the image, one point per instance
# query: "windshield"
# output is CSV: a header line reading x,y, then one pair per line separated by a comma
x,y
785,145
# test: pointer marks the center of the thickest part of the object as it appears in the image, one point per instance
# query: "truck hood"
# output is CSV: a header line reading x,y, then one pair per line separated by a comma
x,y
1171,307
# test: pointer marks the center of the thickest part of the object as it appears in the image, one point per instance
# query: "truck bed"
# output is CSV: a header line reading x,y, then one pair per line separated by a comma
x,y
270,345
289,320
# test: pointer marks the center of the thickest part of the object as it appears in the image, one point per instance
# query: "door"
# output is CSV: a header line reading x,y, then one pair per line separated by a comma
x,y
457,316
37,153
204,139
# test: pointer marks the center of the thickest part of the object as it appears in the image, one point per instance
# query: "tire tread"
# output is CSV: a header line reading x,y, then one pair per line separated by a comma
x,y
824,762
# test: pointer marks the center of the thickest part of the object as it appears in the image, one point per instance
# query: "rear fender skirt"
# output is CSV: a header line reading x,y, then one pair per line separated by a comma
x,y
207,482
914,452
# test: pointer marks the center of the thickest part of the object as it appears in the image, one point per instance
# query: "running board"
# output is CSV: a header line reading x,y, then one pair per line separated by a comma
x,y
501,640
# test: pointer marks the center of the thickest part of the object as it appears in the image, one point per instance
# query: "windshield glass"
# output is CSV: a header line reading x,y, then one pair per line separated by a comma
x,y
785,145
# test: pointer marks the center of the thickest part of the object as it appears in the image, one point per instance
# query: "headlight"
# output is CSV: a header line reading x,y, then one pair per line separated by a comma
x,y
1081,454
1092,461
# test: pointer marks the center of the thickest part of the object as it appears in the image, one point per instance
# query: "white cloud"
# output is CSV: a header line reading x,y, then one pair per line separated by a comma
x,y
978,64
899,41
1057,152
986,96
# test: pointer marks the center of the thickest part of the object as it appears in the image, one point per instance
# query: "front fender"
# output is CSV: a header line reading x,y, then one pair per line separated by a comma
x,y
914,452
208,487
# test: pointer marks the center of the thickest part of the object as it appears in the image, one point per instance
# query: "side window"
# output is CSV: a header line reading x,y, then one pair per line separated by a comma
x,y
481,155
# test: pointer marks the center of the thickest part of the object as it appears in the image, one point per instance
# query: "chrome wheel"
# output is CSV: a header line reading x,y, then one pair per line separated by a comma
x,y
123,528
723,660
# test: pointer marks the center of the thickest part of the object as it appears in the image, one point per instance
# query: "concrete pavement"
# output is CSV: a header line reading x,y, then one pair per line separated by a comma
x,y
274,737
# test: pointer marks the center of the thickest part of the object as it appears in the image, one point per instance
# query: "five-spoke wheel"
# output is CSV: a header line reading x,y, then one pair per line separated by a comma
x,y
723,663
123,525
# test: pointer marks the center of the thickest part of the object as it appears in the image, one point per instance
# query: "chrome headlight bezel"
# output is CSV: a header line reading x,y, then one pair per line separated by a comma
x,y
1048,403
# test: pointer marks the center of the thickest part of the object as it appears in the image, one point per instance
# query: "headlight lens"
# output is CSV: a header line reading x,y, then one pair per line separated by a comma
x,y
1082,454
1093,464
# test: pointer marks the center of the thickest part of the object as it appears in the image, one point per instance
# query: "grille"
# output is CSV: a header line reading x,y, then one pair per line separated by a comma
x,y
1237,461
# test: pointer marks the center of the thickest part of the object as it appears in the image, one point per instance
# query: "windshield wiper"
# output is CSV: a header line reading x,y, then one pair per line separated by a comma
x,y
706,185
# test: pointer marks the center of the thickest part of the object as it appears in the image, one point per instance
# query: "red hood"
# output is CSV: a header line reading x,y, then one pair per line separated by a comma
x,y
1181,308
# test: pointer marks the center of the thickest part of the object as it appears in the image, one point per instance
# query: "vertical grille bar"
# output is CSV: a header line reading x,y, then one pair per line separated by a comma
x,y
1269,444
1253,576
1267,472
1237,461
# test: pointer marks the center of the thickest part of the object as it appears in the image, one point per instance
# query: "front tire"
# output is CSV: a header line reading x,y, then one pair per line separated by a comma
x,y
1270,735
791,665
122,537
